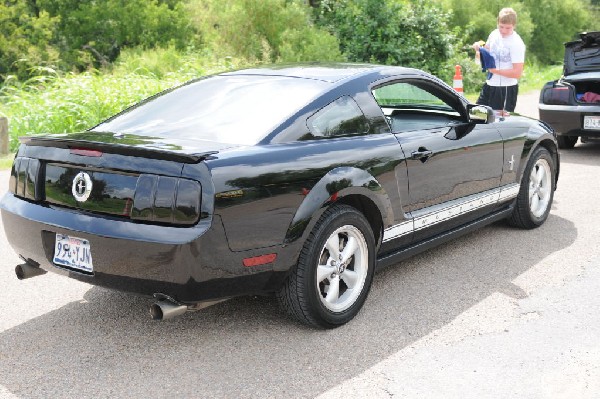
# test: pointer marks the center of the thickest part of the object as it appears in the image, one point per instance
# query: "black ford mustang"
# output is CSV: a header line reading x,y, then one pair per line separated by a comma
x,y
295,180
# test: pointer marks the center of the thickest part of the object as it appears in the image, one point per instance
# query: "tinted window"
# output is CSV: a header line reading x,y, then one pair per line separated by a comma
x,y
414,104
229,109
407,94
342,117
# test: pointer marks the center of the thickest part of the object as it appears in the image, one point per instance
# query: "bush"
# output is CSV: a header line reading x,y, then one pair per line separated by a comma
x,y
97,31
556,22
261,30
25,39
410,33
73,34
473,77
55,102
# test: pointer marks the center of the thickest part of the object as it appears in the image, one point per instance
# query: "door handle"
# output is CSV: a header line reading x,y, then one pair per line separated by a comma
x,y
421,154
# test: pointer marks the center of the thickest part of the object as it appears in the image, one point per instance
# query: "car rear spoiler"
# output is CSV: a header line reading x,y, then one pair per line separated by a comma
x,y
145,151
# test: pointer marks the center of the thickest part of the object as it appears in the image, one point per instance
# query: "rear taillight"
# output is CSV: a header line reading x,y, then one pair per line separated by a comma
x,y
166,200
558,95
158,199
24,178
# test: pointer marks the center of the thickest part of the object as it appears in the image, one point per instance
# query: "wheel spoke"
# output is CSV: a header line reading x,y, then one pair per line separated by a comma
x,y
534,203
323,272
533,178
350,277
333,293
333,246
541,174
543,191
349,249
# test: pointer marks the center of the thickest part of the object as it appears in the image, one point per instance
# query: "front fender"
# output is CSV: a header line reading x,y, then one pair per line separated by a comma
x,y
335,186
538,135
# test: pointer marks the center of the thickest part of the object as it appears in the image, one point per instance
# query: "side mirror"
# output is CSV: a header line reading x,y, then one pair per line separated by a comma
x,y
480,113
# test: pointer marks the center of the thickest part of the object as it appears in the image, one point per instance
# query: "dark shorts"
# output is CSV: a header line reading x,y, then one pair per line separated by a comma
x,y
499,97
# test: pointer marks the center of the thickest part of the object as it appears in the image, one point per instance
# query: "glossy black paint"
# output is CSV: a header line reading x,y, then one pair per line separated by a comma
x,y
265,198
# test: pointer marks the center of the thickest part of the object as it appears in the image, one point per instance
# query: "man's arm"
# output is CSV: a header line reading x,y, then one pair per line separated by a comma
x,y
515,72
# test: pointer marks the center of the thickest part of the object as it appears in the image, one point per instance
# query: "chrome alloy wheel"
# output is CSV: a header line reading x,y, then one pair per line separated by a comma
x,y
343,268
540,187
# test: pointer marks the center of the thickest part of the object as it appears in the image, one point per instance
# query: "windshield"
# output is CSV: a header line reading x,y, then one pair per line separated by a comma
x,y
240,109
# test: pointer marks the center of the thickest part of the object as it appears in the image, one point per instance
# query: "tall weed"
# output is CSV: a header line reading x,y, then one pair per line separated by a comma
x,y
55,103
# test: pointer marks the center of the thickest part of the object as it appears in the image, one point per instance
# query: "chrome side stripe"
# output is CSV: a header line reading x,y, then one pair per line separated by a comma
x,y
509,191
398,230
469,204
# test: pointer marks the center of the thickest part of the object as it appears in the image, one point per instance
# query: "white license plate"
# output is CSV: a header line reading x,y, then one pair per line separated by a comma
x,y
73,252
591,122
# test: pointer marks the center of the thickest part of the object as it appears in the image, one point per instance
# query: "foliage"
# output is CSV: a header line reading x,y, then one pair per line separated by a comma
x,y
25,38
476,26
52,102
556,21
409,33
262,30
73,34
6,161
97,30
544,25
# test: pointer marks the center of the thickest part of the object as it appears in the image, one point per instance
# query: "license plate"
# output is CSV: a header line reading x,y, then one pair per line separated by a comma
x,y
73,252
591,122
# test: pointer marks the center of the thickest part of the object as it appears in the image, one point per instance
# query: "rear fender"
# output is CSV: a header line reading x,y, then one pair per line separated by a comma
x,y
336,186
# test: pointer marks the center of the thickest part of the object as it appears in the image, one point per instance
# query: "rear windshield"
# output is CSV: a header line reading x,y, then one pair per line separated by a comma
x,y
240,109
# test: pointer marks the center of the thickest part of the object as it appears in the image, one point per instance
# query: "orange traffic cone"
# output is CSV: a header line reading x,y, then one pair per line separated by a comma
x,y
457,82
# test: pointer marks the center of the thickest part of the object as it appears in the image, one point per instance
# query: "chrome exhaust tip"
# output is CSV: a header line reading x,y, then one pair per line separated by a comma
x,y
164,309
25,271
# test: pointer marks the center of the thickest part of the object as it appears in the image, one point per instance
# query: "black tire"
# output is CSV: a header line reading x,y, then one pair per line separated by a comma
x,y
566,142
313,300
537,191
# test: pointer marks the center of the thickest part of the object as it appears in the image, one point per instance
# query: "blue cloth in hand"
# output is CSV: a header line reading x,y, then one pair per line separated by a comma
x,y
487,59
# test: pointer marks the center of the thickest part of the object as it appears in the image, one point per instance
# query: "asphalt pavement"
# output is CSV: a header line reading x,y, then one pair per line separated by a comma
x,y
500,313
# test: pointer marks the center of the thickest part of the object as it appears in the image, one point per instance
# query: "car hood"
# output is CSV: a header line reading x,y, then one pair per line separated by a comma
x,y
583,55
183,150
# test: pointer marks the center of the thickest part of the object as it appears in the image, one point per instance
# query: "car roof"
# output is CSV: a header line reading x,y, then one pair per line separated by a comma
x,y
325,72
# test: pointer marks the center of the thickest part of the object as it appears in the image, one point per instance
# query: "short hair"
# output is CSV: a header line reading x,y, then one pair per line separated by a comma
x,y
507,16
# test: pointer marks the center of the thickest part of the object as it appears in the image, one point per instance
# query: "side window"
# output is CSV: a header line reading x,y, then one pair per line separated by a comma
x,y
414,105
342,117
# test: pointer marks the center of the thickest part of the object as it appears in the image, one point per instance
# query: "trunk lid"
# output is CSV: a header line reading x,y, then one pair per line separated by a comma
x,y
133,177
583,55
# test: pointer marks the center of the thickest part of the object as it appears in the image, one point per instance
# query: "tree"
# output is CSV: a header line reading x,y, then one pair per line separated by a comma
x,y
25,38
92,32
409,33
262,30
556,22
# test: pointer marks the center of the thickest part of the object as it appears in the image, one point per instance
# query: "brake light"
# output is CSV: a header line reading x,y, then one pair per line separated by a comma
x,y
24,178
167,200
86,152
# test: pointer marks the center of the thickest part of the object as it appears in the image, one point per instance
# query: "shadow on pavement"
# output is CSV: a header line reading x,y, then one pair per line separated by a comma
x,y
107,346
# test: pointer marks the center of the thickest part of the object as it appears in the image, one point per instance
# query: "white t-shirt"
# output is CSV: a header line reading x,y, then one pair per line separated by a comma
x,y
506,51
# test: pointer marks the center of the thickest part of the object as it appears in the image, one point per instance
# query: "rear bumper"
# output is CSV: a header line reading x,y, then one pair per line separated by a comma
x,y
567,120
188,264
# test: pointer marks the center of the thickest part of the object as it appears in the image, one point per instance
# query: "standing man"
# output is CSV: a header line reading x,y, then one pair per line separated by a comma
x,y
506,46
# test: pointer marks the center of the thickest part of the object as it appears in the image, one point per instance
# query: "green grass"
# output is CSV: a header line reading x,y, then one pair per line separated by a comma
x,y
535,76
6,161
53,102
